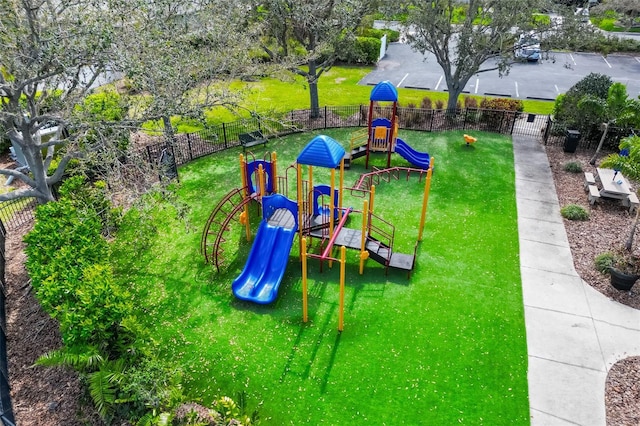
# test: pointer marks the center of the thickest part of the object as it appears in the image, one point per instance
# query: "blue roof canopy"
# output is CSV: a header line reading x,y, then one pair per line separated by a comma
x,y
322,151
384,91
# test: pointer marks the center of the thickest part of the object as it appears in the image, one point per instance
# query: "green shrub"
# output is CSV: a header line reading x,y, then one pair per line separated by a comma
x,y
392,35
67,261
604,261
573,167
574,212
502,104
361,50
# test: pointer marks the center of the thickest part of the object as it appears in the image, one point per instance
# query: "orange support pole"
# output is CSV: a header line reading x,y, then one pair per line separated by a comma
x,y
364,254
425,199
243,176
300,202
274,171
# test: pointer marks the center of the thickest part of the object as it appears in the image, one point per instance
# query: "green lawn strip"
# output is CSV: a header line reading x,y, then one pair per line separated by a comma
x,y
446,346
337,87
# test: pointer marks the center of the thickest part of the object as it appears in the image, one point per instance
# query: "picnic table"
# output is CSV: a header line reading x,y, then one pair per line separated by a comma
x,y
615,185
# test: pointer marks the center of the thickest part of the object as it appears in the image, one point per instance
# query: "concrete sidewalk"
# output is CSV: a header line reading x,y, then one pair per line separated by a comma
x,y
574,333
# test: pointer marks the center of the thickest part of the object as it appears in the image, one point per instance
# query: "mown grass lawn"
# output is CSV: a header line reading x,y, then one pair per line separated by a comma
x,y
446,346
337,87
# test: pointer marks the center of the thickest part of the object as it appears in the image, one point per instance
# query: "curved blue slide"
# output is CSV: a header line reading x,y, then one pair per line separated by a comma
x,y
417,158
259,280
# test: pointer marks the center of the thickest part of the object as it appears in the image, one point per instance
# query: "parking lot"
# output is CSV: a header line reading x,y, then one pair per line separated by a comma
x,y
542,80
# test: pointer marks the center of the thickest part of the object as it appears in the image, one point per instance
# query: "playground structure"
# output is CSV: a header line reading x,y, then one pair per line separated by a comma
x,y
381,134
311,216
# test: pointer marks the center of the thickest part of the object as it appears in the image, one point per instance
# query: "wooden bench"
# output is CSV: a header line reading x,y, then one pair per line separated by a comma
x,y
589,179
247,140
633,202
594,194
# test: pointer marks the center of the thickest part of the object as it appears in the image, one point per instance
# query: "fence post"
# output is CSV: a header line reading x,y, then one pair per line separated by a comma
x,y
189,146
513,123
547,130
325,116
464,124
224,136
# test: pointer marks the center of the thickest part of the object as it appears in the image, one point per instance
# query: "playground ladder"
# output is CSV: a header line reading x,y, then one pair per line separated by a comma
x,y
221,216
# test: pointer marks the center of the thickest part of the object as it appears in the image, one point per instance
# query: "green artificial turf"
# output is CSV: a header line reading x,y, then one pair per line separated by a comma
x,y
446,346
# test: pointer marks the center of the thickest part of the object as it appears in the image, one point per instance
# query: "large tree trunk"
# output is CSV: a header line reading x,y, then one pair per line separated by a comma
x,y
168,130
312,79
33,156
454,94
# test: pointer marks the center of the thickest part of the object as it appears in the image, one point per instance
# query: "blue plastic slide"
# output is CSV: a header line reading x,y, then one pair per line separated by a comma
x,y
259,280
417,158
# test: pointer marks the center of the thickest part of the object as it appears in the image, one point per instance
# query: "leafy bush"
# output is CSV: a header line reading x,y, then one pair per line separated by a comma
x,y
470,102
573,167
574,212
502,104
604,261
426,103
361,50
565,110
392,35
66,260
105,106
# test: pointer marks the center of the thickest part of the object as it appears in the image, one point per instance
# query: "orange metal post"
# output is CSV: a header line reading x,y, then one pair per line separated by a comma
x,y
364,254
425,199
274,171
300,203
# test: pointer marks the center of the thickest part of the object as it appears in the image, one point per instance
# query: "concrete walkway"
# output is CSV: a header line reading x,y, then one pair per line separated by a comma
x,y
574,333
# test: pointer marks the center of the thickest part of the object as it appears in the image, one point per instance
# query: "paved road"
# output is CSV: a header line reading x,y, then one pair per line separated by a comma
x,y
543,80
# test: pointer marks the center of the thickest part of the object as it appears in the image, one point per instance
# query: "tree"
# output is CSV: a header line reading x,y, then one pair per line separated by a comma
x,y
616,109
178,56
467,39
304,36
565,110
628,11
53,52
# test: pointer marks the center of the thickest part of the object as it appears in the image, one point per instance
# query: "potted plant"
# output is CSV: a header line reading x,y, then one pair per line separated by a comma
x,y
623,267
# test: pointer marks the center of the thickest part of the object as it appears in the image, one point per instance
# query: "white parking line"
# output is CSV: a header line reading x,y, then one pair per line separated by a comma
x,y
401,81
607,62
517,93
637,59
557,90
478,84
573,60
439,81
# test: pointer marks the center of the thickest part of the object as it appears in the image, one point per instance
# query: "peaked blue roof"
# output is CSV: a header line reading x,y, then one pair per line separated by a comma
x,y
322,151
384,91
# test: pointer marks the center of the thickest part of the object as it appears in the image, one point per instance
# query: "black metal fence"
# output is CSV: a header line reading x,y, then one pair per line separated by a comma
x,y
15,213
589,140
6,410
190,146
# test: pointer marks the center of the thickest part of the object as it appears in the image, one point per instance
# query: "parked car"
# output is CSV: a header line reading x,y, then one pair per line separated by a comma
x,y
527,47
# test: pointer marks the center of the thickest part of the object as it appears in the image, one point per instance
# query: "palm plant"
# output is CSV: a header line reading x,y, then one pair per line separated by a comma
x,y
617,109
628,162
